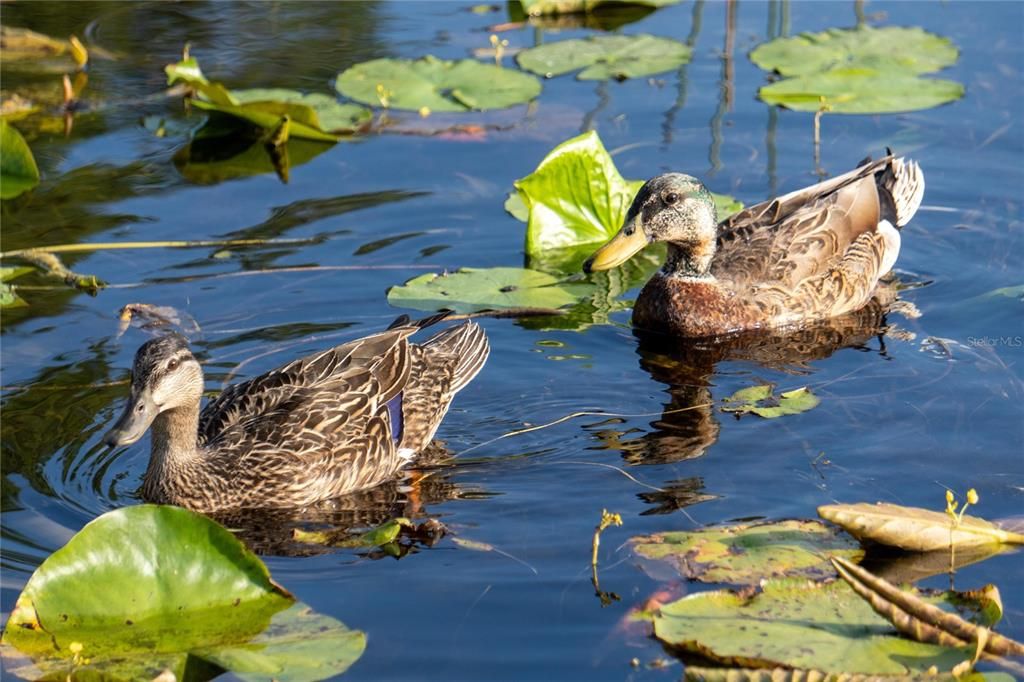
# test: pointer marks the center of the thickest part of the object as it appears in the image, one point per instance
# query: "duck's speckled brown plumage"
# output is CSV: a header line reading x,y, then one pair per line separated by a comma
x,y
809,255
314,429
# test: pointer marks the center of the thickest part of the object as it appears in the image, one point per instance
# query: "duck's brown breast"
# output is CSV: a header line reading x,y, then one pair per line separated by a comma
x,y
692,307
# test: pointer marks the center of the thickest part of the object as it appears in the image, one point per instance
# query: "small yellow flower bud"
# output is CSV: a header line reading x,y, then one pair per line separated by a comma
x,y
949,497
972,496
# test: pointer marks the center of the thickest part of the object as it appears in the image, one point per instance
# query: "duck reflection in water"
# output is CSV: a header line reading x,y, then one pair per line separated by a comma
x,y
689,426
338,523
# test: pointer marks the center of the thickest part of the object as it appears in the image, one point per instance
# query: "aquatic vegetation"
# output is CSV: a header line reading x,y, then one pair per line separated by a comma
x,y
605,57
472,289
747,553
795,623
545,7
859,71
149,588
436,84
915,529
759,400
313,116
18,170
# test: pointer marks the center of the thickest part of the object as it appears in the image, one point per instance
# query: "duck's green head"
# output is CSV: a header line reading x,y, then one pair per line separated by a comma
x,y
673,207
165,376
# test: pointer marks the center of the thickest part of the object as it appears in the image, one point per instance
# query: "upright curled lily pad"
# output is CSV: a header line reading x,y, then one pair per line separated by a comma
x,y
856,71
576,199
18,170
436,84
747,553
604,57
795,623
141,589
470,289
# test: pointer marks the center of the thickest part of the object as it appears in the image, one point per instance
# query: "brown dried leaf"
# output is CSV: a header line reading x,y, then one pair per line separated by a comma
x,y
913,528
916,618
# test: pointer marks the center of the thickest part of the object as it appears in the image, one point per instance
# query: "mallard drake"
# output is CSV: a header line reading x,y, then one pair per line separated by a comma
x,y
338,421
811,254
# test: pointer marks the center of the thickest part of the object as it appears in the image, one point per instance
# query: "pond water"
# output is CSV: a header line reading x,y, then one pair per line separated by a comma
x,y
902,415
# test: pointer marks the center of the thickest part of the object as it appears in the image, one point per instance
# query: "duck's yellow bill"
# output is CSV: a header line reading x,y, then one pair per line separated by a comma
x,y
629,240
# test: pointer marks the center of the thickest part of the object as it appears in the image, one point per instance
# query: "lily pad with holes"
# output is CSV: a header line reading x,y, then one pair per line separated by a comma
x,y
470,289
889,49
147,588
436,84
604,57
577,200
18,170
760,400
795,623
745,554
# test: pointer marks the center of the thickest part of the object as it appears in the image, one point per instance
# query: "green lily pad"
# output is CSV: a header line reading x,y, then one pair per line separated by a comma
x,y
264,108
575,198
604,57
334,117
795,623
760,401
536,8
744,554
861,91
471,289
188,72
889,49
859,71
18,170
436,84
142,589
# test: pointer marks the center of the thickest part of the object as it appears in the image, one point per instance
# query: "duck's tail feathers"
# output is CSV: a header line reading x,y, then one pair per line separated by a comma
x,y
902,182
468,343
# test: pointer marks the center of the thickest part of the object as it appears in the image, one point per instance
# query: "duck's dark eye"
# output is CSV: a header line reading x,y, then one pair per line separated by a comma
x,y
671,198
172,364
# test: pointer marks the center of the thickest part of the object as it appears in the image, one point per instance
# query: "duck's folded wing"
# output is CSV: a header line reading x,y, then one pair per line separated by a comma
x,y
319,388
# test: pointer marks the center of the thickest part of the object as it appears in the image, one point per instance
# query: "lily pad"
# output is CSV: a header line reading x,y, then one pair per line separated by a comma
x,y
470,290
535,8
913,528
265,109
334,117
858,90
888,49
760,401
575,198
142,589
436,84
859,71
604,57
8,298
744,554
18,170
795,623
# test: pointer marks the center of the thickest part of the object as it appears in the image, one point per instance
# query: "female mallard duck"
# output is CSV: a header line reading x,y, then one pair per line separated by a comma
x,y
342,420
809,255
